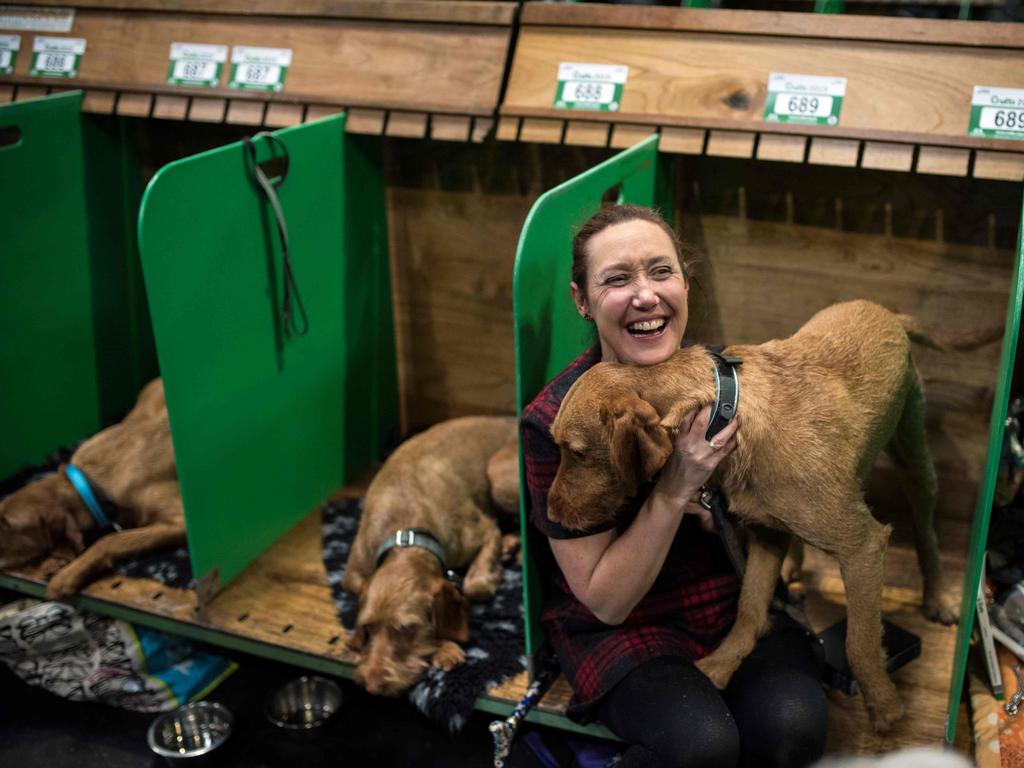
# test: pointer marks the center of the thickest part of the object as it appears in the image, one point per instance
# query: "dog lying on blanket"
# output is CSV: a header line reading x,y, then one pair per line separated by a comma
x,y
815,411
132,465
426,513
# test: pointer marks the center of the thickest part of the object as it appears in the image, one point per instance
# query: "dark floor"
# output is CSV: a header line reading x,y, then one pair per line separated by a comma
x,y
40,729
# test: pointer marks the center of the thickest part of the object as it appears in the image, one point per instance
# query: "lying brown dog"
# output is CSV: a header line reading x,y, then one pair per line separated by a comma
x,y
132,464
410,613
815,410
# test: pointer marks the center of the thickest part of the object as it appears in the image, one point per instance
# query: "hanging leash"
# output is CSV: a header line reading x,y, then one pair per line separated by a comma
x,y
504,731
269,187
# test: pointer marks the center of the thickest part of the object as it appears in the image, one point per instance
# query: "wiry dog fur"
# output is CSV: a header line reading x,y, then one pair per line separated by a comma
x,y
410,615
815,410
133,463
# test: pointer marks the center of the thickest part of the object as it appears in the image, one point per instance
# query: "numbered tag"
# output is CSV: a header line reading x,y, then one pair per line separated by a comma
x,y
590,86
196,65
56,56
259,69
804,99
9,47
997,113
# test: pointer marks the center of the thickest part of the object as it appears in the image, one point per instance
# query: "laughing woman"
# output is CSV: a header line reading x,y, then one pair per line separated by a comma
x,y
632,606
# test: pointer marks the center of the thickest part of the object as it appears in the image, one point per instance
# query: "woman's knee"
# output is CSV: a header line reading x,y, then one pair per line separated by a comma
x,y
790,733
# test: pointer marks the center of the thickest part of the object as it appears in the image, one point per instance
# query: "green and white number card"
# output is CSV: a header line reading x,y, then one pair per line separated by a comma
x,y
590,86
56,56
997,113
259,69
807,99
196,64
9,46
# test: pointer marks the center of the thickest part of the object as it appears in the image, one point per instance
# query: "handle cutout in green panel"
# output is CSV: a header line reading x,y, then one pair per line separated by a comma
x,y
10,136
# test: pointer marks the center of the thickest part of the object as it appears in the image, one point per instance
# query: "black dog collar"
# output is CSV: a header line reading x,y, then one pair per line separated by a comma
x,y
727,393
422,539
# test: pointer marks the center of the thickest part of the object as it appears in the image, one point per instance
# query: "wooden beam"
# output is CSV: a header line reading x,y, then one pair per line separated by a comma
x,y
887,157
687,141
365,121
409,125
317,111
26,92
541,130
100,102
280,115
1003,166
170,107
944,161
207,110
134,104
780,148
508,129
731,144
627,134
833,152
245,112
587,134
450,127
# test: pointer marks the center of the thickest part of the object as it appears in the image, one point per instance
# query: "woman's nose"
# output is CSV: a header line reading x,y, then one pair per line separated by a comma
x,y
645,297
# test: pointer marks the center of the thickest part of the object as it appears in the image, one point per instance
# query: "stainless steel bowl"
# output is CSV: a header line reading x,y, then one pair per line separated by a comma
x,y
190,731
305,704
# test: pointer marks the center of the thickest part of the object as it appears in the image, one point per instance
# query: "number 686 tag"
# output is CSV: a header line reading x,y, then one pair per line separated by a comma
x,y
806,99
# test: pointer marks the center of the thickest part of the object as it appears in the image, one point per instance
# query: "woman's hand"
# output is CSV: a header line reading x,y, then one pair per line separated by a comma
x,y
694,458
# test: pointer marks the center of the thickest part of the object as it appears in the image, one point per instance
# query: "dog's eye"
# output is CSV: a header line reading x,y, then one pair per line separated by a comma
x,y
578,453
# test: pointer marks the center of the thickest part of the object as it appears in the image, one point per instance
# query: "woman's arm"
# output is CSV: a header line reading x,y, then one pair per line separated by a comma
x,y
610,572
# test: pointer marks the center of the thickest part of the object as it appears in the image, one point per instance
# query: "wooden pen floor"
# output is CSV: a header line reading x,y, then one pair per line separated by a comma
x,y
281,607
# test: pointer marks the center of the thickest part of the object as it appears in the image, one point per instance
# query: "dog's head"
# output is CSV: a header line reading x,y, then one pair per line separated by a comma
x,y
403,615
611,443
38,521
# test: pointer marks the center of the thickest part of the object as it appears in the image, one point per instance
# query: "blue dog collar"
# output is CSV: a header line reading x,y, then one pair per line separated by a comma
x,y
85,492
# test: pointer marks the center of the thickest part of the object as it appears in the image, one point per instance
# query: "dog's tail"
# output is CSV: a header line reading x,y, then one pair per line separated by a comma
x,y
949,342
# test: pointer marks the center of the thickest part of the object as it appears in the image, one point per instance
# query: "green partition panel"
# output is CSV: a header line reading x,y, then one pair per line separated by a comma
x,y
549,334
73,354
986,492
265,426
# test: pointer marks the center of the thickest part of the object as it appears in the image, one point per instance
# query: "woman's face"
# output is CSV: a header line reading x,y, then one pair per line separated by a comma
x,y
636,293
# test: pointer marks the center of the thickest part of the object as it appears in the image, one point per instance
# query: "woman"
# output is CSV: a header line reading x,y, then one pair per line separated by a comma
x,y
631,607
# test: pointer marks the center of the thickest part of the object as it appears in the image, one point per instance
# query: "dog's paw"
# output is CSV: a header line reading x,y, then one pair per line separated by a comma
x,y
717,669
63,584
481,588
942,607
885,713
448,656
510,548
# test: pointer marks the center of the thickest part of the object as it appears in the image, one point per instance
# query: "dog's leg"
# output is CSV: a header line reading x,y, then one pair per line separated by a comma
x,y
484,575
100,557
449,655
766,550
909,449
793,565
862,568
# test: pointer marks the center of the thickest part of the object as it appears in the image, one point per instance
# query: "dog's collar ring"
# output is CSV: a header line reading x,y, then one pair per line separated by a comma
x,y
421,539
90,496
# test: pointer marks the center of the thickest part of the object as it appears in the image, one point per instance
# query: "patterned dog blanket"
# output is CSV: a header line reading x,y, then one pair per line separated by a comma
x,y
496,641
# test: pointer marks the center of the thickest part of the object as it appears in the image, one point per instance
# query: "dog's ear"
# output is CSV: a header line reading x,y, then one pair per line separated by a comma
x,y
640,445
65,535
357,640
451,613
679,409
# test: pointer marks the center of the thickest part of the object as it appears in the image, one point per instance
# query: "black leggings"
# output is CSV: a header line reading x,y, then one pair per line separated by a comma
x,y
772,713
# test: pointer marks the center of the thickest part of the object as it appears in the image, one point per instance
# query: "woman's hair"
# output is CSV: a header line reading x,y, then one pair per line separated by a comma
x,y
619,214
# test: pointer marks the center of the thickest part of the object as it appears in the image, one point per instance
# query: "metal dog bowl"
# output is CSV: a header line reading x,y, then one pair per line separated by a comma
x,y
190,731
305,704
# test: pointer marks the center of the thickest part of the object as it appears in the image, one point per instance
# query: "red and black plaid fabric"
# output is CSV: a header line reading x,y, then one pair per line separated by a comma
x,y
687,611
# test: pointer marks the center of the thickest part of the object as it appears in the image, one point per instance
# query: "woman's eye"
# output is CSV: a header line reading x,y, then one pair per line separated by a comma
x,y
616,280
662,271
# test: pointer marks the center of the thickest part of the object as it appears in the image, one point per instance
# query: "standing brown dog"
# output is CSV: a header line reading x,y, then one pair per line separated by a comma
x,y
132,464
410,614
815,410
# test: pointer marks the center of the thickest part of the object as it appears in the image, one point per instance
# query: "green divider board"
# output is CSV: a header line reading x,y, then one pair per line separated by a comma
x,y
986,492
265,427
549,334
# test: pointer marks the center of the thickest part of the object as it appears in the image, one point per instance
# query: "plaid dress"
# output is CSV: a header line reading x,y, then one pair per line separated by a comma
x,y
687,611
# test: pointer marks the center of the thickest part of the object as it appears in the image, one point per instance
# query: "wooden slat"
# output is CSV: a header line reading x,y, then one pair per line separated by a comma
x,y
282,115
134,104
781,148
731,144
687,141
26,92
206,110
6,93
444,67
410,125
626,134
450,127
365,121
317,111
245,112
833,152
99,102
943,160
887,157
482,128
1004,166
586,134
541,130
170,107
508,128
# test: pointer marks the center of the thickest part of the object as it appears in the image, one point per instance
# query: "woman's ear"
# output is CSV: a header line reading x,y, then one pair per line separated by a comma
x,y
579,298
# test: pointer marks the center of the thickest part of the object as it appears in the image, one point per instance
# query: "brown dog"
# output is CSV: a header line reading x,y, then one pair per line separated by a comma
x,y
410,615
815,411
132,463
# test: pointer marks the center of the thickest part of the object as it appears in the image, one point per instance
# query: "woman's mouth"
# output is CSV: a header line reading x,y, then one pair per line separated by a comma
x,y
646,329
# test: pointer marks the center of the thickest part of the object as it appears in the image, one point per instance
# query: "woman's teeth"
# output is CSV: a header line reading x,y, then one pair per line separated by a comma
x,y
646,326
